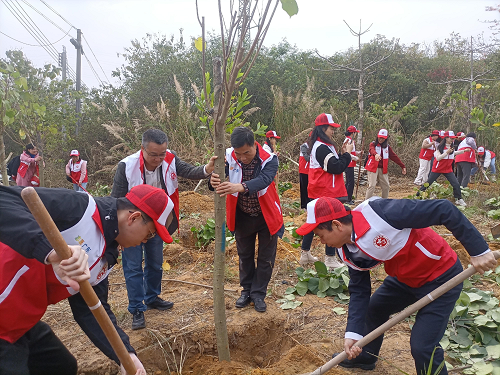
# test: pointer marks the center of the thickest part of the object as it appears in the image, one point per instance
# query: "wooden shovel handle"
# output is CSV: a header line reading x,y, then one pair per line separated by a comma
x,y
436,293
57,241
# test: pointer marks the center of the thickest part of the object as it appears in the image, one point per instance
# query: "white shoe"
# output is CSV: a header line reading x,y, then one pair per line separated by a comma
x,y
306,257
332,262
460,202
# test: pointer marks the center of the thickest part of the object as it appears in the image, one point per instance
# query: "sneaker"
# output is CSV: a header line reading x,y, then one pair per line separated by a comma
x,y
357,362
306,257
332,262
259,305
460,202
160,304
138,321
351,202
244,300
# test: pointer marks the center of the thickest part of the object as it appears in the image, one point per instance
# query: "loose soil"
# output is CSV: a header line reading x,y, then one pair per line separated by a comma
x,y
182,340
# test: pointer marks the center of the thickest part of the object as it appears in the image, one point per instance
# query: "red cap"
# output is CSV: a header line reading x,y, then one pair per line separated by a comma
x,y
480,150
435,132
272,134
352,129
450,134
325,119
461,135
155,203
383,133
74,153
321,210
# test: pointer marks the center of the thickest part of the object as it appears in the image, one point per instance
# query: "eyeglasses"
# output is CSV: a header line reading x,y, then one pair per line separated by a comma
x,y
151,234
156,156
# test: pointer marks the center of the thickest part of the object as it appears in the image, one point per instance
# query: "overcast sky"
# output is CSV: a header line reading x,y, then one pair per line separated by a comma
x,y
109,26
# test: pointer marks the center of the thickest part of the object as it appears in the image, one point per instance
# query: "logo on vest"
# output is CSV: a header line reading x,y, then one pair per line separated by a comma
x,y
381,242
82,244
173,176
102,272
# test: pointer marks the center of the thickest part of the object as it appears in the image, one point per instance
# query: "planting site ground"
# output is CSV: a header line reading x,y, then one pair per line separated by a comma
x,y
182,340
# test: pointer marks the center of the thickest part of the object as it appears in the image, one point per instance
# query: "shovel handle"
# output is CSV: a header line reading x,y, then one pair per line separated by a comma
x,y
436,293
57,241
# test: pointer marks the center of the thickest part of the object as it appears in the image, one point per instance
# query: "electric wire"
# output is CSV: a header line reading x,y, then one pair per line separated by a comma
x,y
36,45
44,16
93,70
52,9
105,75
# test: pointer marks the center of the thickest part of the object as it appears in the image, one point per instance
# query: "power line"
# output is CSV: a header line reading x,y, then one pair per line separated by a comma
x,y
93,70
52,9
105,75
36,45
44,16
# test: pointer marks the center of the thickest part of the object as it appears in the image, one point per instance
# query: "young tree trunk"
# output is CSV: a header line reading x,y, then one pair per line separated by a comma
x,y
220,221
3,165
361,104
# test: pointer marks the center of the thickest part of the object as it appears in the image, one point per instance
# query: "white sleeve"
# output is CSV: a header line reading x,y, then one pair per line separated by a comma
x,y
487,159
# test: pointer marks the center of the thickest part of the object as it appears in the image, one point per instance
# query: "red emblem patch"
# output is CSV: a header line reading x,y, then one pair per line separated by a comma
x,y
381,242
173,176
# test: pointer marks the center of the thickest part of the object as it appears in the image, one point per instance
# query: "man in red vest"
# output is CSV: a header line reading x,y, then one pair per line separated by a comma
x,y
417,259
253,208
32,275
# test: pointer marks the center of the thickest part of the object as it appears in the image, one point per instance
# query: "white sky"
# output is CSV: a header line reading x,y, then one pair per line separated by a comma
x,y
109,25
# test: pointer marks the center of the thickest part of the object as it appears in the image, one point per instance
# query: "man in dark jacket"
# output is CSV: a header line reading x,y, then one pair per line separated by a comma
x,y
157,166
417,260
253,208
32,276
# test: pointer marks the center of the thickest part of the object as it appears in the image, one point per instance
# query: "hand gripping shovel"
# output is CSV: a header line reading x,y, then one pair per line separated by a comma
x,y
57,241
436,293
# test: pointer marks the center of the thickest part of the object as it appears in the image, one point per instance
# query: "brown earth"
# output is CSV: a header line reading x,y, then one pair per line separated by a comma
x,y
182,340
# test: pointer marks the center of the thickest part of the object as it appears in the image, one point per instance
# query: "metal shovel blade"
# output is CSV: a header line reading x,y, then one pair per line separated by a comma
x,y
495,231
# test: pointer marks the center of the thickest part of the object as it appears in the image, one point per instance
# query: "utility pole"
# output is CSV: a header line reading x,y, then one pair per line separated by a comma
x,y
79,52
63,65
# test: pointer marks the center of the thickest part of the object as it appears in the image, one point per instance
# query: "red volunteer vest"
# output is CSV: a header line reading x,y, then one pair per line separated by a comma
x,y
27,286
76,171
353,152
322,183
372,164
468,156
268,197
427,153
23,168
444,165
303,164
492,154
134,171
414,256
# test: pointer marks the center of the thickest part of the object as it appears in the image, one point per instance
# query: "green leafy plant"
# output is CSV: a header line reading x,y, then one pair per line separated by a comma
x,y
205,234
495,204
284,186
100,190
297,238
322,282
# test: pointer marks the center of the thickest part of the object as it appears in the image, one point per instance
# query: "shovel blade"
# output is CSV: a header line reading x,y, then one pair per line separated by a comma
x,y
495,231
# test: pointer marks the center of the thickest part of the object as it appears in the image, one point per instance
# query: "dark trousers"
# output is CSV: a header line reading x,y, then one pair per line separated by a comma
x,y
254,279
37,352
457,193
307,241
430,323
349,182
463,172
303,181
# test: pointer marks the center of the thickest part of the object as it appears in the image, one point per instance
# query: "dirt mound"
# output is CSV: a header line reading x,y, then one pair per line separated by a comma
x,y
293,193
191,202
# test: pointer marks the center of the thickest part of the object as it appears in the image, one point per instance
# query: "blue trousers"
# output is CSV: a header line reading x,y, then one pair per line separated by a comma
x,y
78,188
430,323
143,286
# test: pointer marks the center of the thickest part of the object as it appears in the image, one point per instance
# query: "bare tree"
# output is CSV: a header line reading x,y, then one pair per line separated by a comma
x,y
364,68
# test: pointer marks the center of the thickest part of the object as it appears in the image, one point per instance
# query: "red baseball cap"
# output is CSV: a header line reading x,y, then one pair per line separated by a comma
x,y
321,210
74,153
352,129
461,135
325,119
450,134
435,132
480,150
383,133
155,203
272,134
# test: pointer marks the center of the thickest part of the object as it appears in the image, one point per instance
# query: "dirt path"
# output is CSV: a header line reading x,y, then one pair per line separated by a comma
x,y
182,340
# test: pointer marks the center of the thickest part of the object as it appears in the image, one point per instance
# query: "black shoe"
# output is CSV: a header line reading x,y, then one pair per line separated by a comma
x,y
259,305
160,304
138,321
243,301
362,363
351,202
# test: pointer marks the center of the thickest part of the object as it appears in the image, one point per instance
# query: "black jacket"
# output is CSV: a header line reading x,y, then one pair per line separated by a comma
x,y
20,231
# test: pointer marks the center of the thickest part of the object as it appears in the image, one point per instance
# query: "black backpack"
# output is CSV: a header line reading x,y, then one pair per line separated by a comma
x,y
13,166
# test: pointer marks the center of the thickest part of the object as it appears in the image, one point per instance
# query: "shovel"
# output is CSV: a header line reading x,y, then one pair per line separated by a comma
x,y
495,231
57,241
436,293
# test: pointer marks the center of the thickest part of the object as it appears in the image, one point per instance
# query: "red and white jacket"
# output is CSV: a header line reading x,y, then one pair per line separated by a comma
x,y
354,158
468,156
414,256
134,171
322,183
445,162
76,170
268,197
372,164
18,274
427,153
303,163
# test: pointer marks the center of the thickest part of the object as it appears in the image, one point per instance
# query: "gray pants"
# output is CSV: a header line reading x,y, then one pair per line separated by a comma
x,y
463,172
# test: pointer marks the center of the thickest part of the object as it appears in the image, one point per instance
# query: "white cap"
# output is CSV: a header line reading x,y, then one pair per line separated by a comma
x,y
480,150
383,133
74,153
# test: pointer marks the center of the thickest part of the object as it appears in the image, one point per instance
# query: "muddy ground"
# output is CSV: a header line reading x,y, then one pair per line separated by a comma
x,y
286,342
